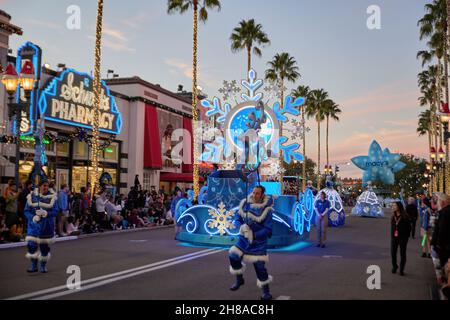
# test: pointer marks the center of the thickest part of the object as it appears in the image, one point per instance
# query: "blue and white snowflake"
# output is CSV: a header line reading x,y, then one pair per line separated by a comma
x,y
251,88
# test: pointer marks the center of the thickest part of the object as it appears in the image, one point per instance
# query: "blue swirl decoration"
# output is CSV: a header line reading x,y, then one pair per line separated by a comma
x,y
303,212
202,195
192,222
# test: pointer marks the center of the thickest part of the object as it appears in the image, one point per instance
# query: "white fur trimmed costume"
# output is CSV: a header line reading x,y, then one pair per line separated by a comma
x,y
40,210
256,228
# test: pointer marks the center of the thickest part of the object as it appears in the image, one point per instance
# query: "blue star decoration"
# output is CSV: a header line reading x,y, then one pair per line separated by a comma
x,y
379,165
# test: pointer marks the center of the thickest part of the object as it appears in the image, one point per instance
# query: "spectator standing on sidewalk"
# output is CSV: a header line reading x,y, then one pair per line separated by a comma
x,y
425,214
11,205
22,198
400,232
441,235
412,212
63,205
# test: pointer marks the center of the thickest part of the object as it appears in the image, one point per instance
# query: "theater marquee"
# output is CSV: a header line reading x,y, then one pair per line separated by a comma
x,y
69,99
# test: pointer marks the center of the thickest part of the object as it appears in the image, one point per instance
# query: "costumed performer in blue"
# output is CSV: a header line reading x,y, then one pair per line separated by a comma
x,y
41,210
255,217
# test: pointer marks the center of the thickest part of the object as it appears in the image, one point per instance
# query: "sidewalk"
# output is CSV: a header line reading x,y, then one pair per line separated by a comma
x,y
92,235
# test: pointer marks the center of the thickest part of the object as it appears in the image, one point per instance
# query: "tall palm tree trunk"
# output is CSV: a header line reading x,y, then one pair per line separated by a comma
x,y
281,162
97,92
446,167
249,59
429,148
328,124
304,150
318,155
196,178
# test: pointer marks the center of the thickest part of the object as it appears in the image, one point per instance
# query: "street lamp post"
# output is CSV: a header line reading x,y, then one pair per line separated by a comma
x,y
433,155
12,81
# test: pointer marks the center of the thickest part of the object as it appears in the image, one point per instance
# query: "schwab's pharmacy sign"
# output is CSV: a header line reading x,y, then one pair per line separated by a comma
x,y
69,99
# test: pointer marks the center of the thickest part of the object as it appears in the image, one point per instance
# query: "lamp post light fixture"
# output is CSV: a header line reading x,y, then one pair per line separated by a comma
x,y
11,80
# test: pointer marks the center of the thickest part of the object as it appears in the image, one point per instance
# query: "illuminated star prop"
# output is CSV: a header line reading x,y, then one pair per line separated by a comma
x,y
379,165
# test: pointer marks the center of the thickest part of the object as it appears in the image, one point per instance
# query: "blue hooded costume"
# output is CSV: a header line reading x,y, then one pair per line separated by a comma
x,y
256,228
40,211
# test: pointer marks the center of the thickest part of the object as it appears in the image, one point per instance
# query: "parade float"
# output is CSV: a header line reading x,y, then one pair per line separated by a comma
x,y
336,214
245,143
368,205
378,166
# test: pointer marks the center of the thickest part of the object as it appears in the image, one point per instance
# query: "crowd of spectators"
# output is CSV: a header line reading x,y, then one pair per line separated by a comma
x,y
84,213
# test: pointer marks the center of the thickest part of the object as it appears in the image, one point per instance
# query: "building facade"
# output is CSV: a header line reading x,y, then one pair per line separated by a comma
x,y
142,127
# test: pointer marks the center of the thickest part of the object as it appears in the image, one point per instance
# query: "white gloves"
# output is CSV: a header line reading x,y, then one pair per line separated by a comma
x,y
42,213
246,232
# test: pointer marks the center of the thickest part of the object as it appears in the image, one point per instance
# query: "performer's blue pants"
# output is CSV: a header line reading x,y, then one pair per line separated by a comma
x,y
32,247
45,249
260,266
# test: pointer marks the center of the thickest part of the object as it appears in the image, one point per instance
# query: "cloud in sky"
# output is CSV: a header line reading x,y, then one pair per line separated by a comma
x,y
177,67
45,24
115,40
387,113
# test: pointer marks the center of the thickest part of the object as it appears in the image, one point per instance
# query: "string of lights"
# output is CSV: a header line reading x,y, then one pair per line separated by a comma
x,y
97,92
196,175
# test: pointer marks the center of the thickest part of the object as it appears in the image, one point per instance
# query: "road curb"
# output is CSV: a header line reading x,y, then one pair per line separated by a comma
x,y
84,236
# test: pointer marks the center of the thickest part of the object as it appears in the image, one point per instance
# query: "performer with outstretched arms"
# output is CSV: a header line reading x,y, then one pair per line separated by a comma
x,y
255,216
40,210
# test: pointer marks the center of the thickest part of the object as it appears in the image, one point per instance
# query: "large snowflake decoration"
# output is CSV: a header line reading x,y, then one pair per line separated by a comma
x,y
229,90
298,129
273,169
250,93
221,219
272,91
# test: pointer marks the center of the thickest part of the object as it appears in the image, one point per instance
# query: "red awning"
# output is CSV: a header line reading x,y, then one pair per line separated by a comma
x,y
152,142
177,177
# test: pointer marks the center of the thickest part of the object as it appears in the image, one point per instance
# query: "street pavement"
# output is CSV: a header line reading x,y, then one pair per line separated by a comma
x,y
151,265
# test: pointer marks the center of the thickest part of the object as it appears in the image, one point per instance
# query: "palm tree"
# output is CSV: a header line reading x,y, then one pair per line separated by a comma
x,y
316,109
434,27
246,36
331,111
303,91
282,68
424,125
200,10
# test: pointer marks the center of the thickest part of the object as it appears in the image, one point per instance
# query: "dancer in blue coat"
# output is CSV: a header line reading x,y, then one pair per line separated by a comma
x,y
255,216
40,210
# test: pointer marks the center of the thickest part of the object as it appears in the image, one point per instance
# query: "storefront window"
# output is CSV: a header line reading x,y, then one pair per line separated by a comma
x,y
112,173
26,168
111,153
79,178
80,150
62,149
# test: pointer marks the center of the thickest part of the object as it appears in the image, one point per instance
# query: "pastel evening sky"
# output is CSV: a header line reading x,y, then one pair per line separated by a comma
x,y
371,74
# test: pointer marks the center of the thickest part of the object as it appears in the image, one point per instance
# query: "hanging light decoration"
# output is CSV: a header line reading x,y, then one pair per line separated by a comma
x,y
97,92
195,118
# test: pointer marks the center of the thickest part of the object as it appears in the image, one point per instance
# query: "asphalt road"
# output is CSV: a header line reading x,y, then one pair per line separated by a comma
x,y
152,265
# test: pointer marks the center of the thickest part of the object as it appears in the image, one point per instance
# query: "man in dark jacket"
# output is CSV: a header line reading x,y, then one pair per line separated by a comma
x,y
22,199
411,210
441,235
